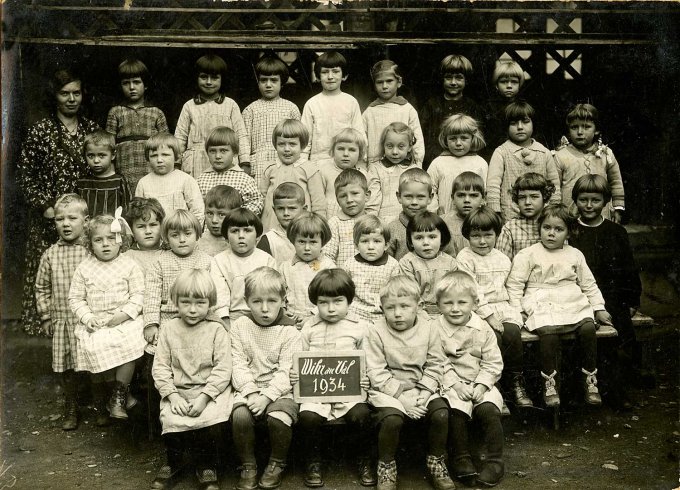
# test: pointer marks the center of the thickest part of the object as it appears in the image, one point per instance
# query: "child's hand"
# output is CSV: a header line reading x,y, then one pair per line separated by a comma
x,y
465,391
151,334
365,383
478,393
409,399
494,323
49,213
617,215
118,318
178,405
258,404
94,324
198,404
602,317
47,327
294,377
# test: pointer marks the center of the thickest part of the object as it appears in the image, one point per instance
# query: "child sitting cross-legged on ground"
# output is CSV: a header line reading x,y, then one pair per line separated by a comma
x,y
289,203
218,202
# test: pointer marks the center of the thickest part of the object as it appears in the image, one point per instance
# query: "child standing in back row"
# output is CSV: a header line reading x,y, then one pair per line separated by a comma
x,y
507,80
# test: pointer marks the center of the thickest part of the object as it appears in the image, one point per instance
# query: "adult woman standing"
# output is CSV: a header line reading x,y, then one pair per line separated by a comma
x,y
50,164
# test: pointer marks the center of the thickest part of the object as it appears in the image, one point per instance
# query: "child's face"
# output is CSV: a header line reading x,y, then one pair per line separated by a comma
x,y
467,200
288,149
590,206
162,160
530,203
352,199
396,146
554,233
192,310
70,222
346,154
104,245
332,309
242,239
414,197
147,233
182,242
400,311
454,84
426,244
508,87
213,219
209,85
265,307
582,132
269,85
308,248
133,89
221,157
520,131
286,210
99,159
331,79
386,85
482,241
372,246
459,144
456,306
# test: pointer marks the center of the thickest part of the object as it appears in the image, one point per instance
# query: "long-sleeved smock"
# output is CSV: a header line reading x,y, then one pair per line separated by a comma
x,y
445,168
233,177
427,272
329,171
298,275
174,190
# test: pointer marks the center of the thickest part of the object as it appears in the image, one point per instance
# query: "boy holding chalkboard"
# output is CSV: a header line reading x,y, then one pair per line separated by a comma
x,y
332,329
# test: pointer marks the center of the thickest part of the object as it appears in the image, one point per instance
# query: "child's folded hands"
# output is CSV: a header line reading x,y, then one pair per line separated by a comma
x,y
464,390
178,405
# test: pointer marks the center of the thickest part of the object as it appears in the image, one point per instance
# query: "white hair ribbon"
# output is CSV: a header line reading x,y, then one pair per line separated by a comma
x,y
119,225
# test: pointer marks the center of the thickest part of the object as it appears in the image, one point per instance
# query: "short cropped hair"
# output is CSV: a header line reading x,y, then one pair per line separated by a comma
x,y
350,135
508,69
222,136
592,183
142,208
224,197
264,280
62,78
559,211
289,190
427,221
468,181
72,199
587,112
272,66
350,176
240,218
133,68
291,128
383,66
397,128
194,283
458,280
367,224
162,139
482,219
330,59
332,283
416,175
461,124
181,220
400,285
105,220
210,64
455,63
308,224
100,138
532,181
518,111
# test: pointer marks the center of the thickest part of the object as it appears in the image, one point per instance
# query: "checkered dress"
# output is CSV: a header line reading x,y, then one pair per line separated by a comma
x,y
340,248
52,284
99,290
234,177
518,233
144,258
369,280
298,274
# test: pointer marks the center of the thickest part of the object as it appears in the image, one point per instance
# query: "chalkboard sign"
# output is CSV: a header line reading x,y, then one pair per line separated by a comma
x,y
329,376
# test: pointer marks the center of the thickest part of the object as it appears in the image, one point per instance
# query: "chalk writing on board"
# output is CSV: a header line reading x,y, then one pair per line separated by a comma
x,y
329,376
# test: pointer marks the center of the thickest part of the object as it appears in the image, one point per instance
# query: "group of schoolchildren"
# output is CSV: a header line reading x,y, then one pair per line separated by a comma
x,y
246,243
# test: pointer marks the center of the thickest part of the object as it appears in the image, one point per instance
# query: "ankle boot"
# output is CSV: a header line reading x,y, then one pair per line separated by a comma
x,y
592,394
550,396
519,392
248,477
118,401
100,394
70,387
387,475
439,473
273,475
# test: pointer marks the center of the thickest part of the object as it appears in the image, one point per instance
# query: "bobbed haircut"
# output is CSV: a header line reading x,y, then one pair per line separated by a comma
x,y
223,197
427,221
400,286
63,77
507,69
531,181
455,63
481,219
144,209
587,112
181,220
72,199
133,68
104,220
222,136
350,176
367,224
196,284
291,128
270,66
330,59
518,111
290,190
240,218
397,128
458,281
468,181
100,138
415,175
559,211
210,64
349,135
461,124
308,224
162,139
265,280
332,283
592,183
385,66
